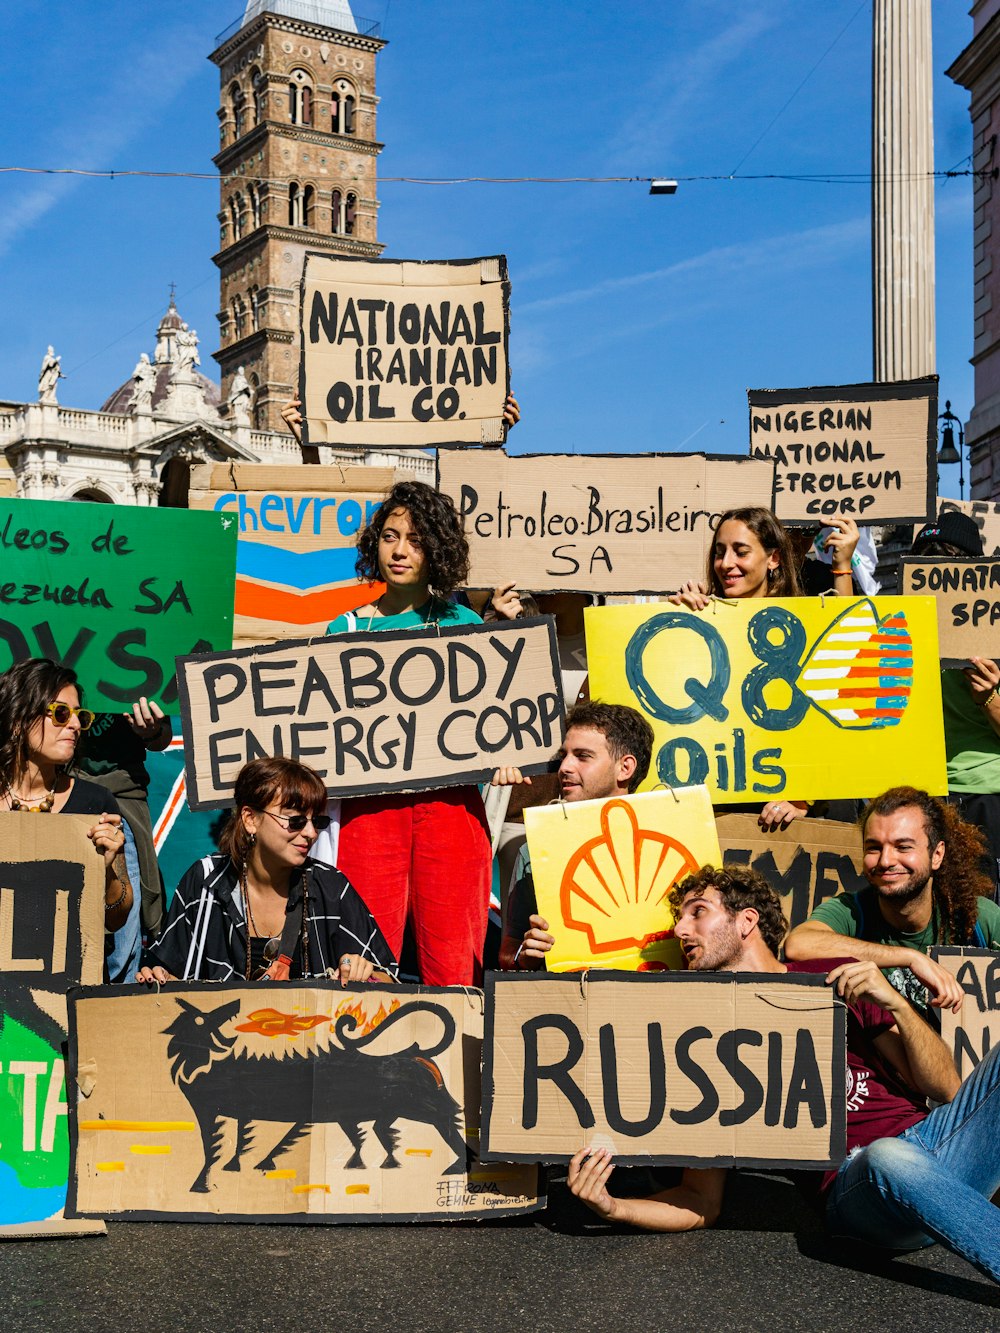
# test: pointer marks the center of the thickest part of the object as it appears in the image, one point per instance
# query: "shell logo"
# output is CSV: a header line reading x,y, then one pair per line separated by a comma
x,y
611,883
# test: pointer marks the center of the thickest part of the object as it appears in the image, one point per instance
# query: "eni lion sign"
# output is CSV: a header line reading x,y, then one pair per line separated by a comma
x,y
292,1103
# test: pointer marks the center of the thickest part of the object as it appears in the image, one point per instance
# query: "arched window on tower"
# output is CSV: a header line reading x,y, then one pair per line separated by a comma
x,y
253,195
337,213
300,97
239,317
257,89
239,110
350,214
308,205
342,105
256,308
294,205
236,216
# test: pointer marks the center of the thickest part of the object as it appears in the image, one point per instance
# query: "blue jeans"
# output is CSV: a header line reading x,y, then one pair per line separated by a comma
x,y
932,1183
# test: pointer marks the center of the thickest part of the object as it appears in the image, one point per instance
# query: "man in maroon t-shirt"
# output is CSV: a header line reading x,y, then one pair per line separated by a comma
x,y
910,1177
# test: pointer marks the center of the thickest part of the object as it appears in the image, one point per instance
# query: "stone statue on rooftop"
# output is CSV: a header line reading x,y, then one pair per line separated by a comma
x,y
49,376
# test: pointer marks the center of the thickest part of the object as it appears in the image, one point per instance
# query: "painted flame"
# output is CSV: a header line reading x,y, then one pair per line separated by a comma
x,y
365,1023
273,1023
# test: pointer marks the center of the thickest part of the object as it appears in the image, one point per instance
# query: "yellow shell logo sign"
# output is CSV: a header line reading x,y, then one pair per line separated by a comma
x,y
860,672
611,881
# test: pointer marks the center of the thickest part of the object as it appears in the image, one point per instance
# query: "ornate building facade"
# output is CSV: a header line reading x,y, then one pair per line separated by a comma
x,y
298,172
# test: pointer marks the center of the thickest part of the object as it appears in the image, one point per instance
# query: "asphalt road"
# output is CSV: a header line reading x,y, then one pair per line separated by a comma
x,y
767,1266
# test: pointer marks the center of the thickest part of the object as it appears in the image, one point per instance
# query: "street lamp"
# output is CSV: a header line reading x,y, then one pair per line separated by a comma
x,y
948,454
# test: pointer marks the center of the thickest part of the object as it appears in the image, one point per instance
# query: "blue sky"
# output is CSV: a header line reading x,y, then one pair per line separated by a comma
x,y
638,323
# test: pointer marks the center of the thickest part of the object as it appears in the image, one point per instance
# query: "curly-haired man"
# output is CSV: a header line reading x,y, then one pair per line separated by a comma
x,y
921,860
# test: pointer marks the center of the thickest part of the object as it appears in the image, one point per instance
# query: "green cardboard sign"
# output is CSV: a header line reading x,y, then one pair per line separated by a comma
x,y
116,592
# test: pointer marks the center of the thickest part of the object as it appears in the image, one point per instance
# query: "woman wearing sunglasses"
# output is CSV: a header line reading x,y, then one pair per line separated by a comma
x,y
260,908
41,725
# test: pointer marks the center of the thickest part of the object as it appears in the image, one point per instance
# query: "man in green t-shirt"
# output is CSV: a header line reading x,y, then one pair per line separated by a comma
x,y
921,860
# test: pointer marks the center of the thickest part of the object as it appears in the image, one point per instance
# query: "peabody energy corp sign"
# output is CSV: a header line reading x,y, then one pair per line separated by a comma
x,y
399,710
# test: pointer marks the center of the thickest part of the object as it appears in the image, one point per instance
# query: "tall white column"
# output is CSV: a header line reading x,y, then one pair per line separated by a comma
x,y
902,190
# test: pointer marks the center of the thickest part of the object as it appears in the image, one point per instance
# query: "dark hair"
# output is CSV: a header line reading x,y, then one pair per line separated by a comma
x,y
766,527
625,730
738,887
26,690
529,607
260,782
436,522
959,879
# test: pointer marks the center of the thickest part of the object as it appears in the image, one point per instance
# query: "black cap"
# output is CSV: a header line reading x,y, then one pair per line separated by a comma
x,y
955,528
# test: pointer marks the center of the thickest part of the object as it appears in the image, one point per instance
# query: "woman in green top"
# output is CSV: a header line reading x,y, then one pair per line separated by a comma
x,y
424,857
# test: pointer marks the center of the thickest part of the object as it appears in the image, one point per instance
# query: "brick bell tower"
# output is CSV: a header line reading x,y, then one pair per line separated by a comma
x,y
297,161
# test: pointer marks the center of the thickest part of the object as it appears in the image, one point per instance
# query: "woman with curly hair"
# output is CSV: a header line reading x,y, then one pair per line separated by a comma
x,y
424,857
921,860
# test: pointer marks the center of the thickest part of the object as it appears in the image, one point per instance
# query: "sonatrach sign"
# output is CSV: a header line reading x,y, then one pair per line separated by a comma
x,y
400,710
710,1069
404,352
806,698
973,1032
967,592
51,938
863,451
115,592
595,523
297,544
287,1103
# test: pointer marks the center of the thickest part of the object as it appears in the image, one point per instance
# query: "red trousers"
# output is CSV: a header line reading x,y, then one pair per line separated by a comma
x,y
426,859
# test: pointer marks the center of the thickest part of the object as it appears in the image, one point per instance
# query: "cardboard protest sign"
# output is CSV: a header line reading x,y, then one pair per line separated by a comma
x,y
253,1103
863,451
115,592
603,871
595,523
802,698
811,860
973,1032
297,541
685,1068
51,938
967,593
987,516
398,710
404,352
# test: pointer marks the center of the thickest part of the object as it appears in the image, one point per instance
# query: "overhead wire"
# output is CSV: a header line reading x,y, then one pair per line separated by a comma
x,y
828,177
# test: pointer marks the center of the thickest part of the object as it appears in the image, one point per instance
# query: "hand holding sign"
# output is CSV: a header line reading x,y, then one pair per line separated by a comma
x,y
984,679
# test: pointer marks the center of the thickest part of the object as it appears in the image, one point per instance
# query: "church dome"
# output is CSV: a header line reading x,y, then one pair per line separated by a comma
x,y
164,364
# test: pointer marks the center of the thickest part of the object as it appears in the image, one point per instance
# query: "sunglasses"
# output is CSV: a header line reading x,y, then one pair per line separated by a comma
x,y
61,713
296,823
271,949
